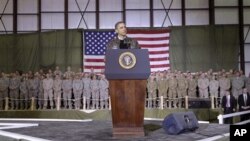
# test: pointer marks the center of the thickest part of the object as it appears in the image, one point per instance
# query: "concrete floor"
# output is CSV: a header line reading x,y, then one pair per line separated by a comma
x,y
102,130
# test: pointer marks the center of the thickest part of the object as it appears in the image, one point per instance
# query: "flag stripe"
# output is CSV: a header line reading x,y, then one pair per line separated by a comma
x,y
153,46
155,40
159,52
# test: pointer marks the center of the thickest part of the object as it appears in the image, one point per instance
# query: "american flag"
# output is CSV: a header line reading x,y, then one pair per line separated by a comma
x,y
155,40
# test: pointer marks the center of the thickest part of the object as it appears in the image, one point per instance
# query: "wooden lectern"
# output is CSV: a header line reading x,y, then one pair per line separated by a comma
x,y
127,71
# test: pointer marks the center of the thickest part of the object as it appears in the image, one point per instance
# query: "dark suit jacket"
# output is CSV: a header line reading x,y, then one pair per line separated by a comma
x,y
242,103
233,101
115,43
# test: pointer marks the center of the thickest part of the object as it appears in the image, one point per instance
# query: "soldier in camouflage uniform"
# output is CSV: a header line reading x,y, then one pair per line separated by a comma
x,y
182,86
77,89
4,85
172,93
14,91
69,73
33,86
192,86
203,84
238,83
224,84
48,91
248,83
57,87
152,87
104,92
86,88
58,71
162,85
67,85
214,88
94,87
41,92
23,91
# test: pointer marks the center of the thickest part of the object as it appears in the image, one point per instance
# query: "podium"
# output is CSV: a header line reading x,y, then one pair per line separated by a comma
x,y
127,71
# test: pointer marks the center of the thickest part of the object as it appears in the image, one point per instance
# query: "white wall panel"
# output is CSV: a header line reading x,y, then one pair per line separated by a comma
x,y
225,2
197,17
27,22
175,17
52,5
246,2
158,4
82,4
137,18
110,5
52,21
247,52
8,23
74,19
137,4
108,20
247,34
9,7
196,3
226,16
247,69
246,16
27,6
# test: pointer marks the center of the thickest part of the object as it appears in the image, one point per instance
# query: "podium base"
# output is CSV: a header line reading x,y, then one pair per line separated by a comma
x,y
128,132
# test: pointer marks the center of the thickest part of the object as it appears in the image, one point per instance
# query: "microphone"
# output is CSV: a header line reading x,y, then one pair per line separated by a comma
x,y
127,42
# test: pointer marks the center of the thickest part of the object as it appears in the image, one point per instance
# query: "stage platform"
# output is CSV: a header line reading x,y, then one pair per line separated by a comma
x,y
46,125
102,130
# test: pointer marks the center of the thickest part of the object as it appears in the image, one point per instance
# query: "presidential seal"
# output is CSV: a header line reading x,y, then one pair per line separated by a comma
x,y
127,60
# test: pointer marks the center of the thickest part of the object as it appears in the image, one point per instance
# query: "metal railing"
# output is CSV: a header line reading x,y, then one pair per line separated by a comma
x,y
221,117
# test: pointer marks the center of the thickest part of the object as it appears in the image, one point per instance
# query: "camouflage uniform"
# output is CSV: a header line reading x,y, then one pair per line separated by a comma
x,y
77,89
57,87
237,85
182,86
192,86
94,87
4,84
48,91
86,89
23,91
203,84
162,84
172,93
14,91
225,85
152,87
104,92
67,92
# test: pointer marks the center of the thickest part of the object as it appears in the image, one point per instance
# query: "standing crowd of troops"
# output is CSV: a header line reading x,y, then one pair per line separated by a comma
x,y
46,88
70,88
173,86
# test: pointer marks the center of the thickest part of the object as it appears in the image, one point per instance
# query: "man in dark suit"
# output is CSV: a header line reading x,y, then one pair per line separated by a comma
x,y
122,41
229,104
244,104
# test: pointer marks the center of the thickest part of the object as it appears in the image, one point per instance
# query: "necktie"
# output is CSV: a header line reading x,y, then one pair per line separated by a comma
x,y
245,99
228,101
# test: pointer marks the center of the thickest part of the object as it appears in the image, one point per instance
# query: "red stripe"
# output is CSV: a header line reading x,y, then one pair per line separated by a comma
x,y
152,39
153,46
160,66
143,31
94,67
159,52
94,60
159,59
